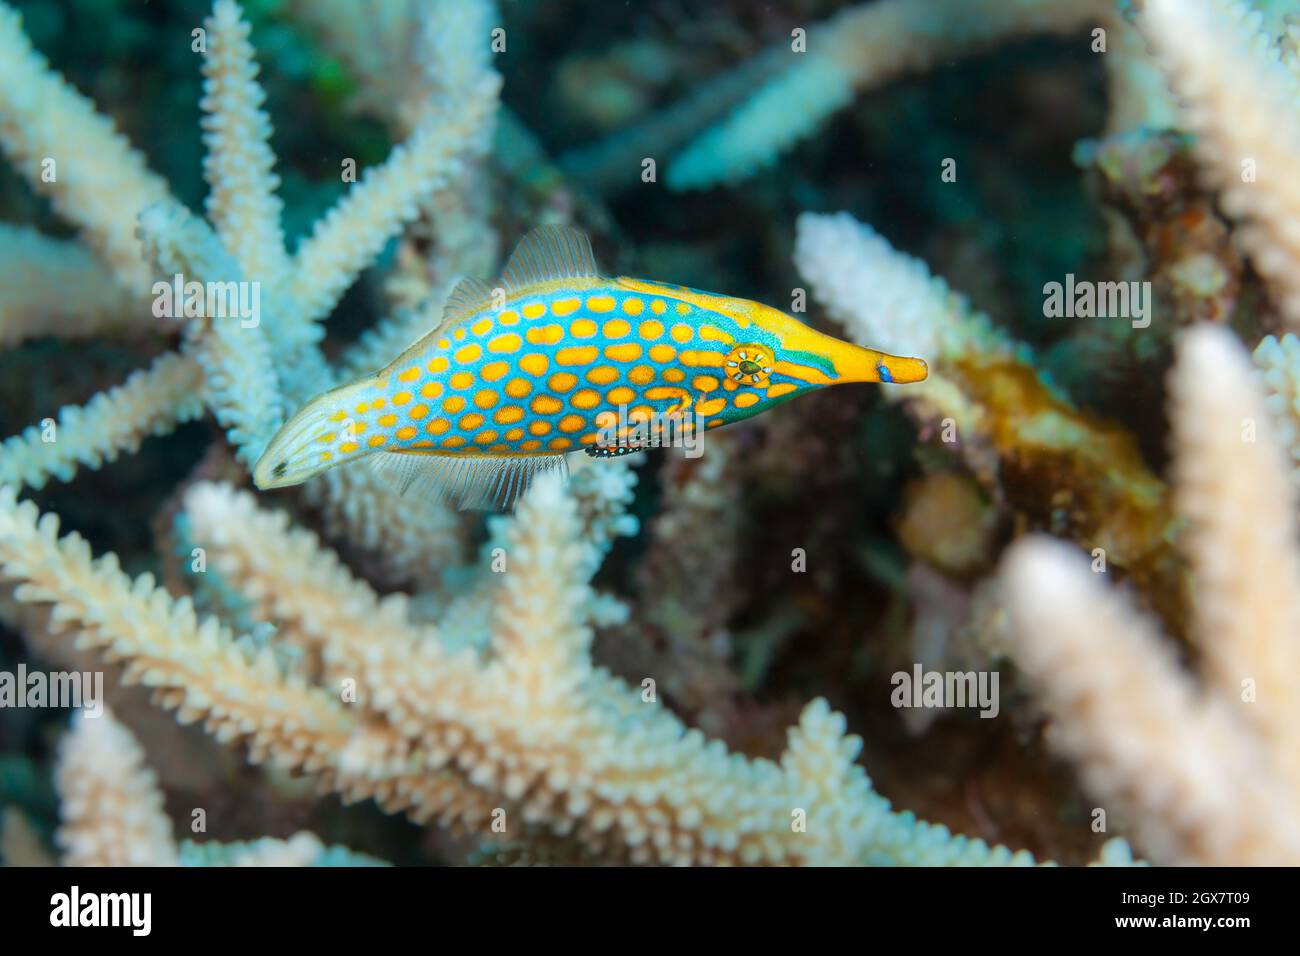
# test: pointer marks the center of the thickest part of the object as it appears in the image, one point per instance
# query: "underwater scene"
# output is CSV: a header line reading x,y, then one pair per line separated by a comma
x,y
672,432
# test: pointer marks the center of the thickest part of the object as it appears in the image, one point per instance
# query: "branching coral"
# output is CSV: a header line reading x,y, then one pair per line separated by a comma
x,y
195,667
1238,97
443,51
788,92
572,748
113,812
112,809
474,701
1279,360
533,730
232,350
65,287
242,206
1233,67
150,402
1053,462
97,182
1207,774
41,116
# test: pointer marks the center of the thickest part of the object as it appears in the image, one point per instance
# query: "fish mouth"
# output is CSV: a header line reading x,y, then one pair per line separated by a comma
x,y
269,473
290,458
283,462
902,370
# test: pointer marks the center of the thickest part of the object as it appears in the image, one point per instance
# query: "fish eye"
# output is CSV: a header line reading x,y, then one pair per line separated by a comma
x,y
749,364
279,470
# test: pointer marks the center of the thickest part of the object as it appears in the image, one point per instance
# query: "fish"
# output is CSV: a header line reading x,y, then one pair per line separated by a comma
x,y
556,359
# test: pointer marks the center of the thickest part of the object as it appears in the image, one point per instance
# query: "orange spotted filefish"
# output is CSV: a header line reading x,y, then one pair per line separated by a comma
x,y
552,360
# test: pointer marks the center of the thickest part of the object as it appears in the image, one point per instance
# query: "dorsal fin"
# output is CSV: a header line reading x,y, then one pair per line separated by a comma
x,y
473,482
549,252
467,297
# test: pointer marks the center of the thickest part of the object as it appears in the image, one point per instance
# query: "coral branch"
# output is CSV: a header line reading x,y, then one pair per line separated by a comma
x,y
1056,463
196,667
239,165
862,47
351,234
618,772
64,291
1208,776
150,402
112,808
241,385
98,182
1147,744
1240,101
540,638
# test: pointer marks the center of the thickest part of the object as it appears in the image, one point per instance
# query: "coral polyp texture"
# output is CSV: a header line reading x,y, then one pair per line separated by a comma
x,y
935,623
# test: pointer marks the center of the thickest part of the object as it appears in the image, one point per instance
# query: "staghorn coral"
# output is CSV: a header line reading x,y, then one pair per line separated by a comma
x,y
242,205
65,287
103,184
477,690
150,402
1055,464
1237,97
113,812
1206,773
534,727
112,809
1279,361
786,93
242,382
1233,67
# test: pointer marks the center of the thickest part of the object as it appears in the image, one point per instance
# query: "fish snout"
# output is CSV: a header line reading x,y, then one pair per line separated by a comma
x,y
274,469
900,370
297,452
853,363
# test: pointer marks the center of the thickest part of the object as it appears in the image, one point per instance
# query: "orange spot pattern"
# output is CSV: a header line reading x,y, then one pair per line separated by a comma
x,y
548,364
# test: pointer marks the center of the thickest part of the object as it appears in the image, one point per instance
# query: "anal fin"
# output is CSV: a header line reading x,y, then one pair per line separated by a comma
x,y
472,482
